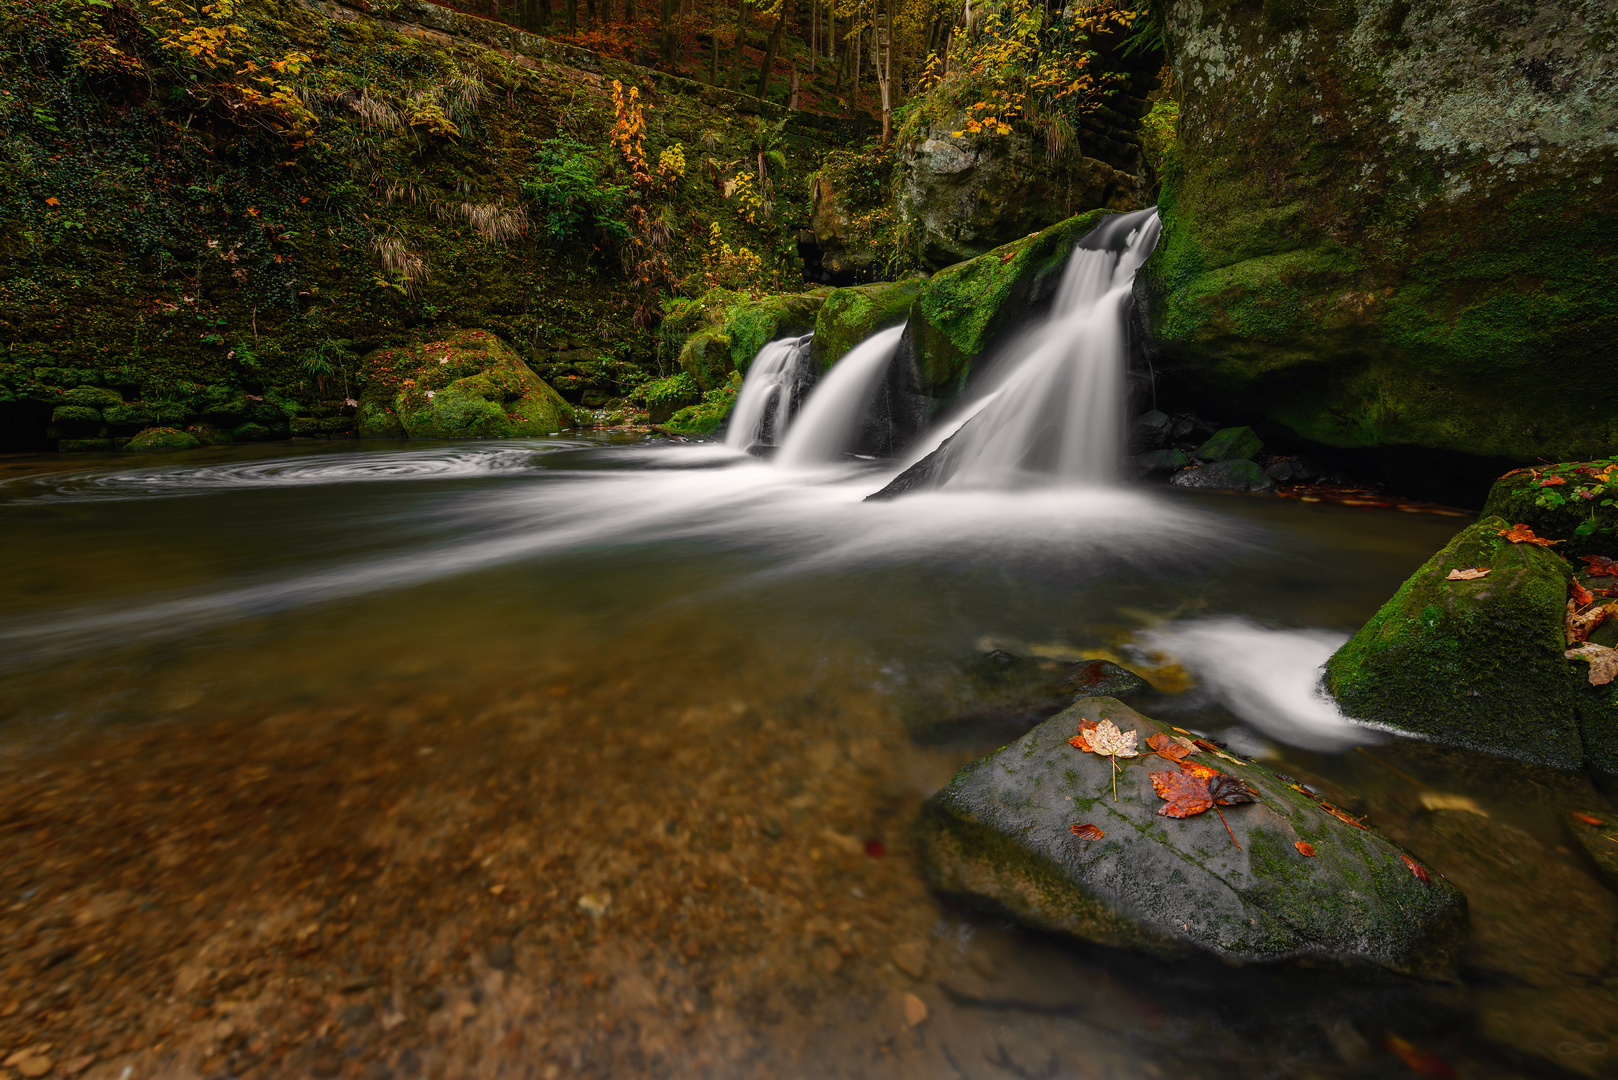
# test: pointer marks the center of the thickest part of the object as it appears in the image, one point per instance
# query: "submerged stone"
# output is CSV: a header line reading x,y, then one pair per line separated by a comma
x,y
1230,444
1595,831
999,695
1001,835
1225,476
1476,663
163,438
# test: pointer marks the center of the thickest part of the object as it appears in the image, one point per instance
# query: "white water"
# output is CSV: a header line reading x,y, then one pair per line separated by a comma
x,y
1055,407
830,418
1268,677
763,409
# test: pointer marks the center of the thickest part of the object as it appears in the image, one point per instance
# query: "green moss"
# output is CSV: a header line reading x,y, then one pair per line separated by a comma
x,y
76,416
1472,663
851,315
163,438
1579,511
705,360
467,384
706,417
665,397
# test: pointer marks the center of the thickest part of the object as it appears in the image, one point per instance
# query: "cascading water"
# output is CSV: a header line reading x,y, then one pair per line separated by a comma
x,y
1056,407
830,418
770,394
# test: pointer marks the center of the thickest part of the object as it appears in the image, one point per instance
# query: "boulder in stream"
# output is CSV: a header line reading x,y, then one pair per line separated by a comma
x,y
467,384
1238,475
999,695
163,438
1002,835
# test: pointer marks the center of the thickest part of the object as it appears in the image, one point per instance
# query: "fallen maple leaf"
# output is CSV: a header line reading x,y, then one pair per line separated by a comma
x,y
1579,593
1104,739
1188,792
1467,575
1086,831
1416,868
1196,768
1600,566
1420,1061
1522,534
1340,815
1552,481
1603,661
1171,747
53,202
1305,848
1579,623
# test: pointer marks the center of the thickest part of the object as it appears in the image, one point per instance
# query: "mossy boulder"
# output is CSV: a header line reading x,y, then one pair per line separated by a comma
x,y
1394,224
962,310
725,330
1229,445
209,434
76,416
1000,835
1224,476
705,359
467,384
1572,502
706,417
93,396
851,315
665,397
1476,663
163,438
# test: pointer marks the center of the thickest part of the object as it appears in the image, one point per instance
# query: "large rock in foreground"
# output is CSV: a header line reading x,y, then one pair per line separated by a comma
x,y
1395,223
466,385
1001,834
1476,663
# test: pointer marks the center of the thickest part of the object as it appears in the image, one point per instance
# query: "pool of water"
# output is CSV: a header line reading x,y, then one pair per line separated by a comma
x,y
600,757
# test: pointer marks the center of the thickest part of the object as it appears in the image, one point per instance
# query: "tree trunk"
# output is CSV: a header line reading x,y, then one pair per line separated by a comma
x,y
572,16
770,51
668,34
792,99
630,13
741,42
590,12
713,30
882,55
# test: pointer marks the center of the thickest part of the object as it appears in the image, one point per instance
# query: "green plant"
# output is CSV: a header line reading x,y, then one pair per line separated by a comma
x,y
569,189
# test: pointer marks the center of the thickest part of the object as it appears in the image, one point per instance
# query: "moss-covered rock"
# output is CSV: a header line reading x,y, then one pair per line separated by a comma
x,y
705,359
707,416
209,434
1572,502
963,309
163,438
1230,444
93,396
1473,663
1000,834
76,416
665,397
851,315
467,384
1394,223
1238,475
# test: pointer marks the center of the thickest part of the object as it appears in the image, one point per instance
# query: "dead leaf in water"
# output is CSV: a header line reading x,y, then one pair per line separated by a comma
x,y
1603,661
1471,574
1419,1061
1305,849
1438,800
1087,831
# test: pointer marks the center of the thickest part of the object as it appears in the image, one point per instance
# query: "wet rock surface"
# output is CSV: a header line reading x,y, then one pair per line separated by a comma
x,y
1225,476
1001,834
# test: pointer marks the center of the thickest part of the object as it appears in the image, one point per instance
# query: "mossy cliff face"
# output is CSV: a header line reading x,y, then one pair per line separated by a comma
x,y
726,329
1474,663
465,385
1396,222
1000,835
199,252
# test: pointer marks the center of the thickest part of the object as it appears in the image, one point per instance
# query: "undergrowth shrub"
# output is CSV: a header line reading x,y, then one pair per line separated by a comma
x,y
571,195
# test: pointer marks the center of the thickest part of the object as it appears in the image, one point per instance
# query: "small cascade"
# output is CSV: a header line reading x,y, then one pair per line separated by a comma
x,y
1055,409
771,394
829,422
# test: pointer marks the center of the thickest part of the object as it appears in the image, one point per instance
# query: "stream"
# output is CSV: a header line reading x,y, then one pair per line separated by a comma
x,y
599,756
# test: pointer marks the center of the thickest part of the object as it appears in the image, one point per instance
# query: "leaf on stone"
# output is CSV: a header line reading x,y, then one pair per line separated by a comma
x,y
1603,661
1080,740
1086,831
1579,623
1196,768
1552,481
1600,566
1417,869
1306,849
1522,534
1346,819
1183,793
1579,594
1229,791
1586,818
1108,741
1470,574
1174,748
1217,749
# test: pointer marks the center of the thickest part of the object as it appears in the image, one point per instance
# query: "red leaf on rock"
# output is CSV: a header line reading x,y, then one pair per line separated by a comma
x,y
1579,593
1416,868
1340,816
1184,793
1305,848
1167,746
1552,481
1198,769
1600,566
1522,534
1086,831
1586,818
1085,727
875,848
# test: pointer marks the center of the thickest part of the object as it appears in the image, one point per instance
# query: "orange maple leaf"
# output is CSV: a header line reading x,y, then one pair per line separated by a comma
x,y
1167,746
53,202
1553,481
1189,792
1522,534
1417,869
1087,831
1305,848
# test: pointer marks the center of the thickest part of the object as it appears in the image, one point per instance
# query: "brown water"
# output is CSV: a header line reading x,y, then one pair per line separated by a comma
x,y
560,759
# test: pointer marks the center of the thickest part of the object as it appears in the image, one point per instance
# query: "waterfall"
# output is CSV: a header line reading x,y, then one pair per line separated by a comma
x,y
830,419
770,394
1055,407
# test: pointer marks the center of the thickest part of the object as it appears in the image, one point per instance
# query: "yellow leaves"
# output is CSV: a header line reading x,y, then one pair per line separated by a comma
x,y
671,163
1470,574
629,130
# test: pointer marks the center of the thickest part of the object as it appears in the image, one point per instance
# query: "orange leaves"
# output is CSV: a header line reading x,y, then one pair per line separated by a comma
x,y
1586,818
1104,739
1087,831
53,201
1188,793
1306,849
1470,574
1599,566
1553,481
1417,869
1171,747
1522,534
1340,815
1579,594
1419,1061
1079,740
